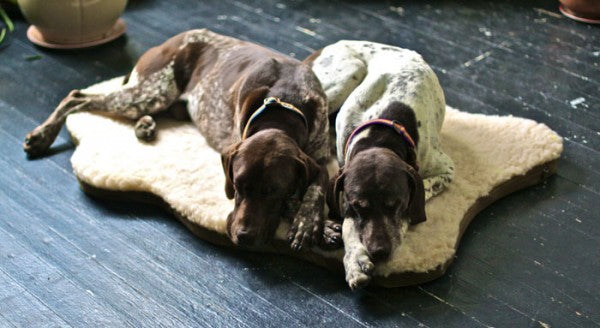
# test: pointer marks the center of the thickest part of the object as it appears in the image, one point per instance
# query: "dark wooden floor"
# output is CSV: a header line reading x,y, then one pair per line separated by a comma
x,y
532,259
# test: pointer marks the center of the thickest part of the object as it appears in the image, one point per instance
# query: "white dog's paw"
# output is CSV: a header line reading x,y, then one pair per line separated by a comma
x,y
359,268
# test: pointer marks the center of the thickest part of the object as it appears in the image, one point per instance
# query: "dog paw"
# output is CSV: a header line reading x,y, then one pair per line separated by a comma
x,y
37,142
359,268
299,235
145,128
305,229
302,232
332,235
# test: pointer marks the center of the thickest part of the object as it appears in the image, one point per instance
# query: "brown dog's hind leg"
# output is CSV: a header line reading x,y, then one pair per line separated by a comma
x,y
140,96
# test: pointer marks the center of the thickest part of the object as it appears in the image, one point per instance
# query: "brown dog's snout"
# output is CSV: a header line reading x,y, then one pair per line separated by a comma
x,y
245,237
238,230
250,225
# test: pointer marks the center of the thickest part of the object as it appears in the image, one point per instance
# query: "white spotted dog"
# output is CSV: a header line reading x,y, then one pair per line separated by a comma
x,y
263,111
390,109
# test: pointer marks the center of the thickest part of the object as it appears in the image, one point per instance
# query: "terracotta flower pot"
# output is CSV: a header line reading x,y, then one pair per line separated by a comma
x,y
587,11
73,23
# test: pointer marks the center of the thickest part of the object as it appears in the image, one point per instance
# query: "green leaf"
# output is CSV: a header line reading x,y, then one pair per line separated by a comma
x,y
2,34
6,20
33,57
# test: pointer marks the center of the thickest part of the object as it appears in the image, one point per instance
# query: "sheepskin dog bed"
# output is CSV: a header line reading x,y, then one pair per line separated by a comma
x,y
493,157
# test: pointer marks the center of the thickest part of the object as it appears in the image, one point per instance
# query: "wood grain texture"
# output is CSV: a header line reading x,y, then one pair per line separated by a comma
x,y
530,258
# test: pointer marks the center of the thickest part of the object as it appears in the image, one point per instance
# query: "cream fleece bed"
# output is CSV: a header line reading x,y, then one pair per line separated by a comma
x,y
493,157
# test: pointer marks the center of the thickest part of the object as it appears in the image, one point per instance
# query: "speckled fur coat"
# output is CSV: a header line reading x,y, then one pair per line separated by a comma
x,y
361,78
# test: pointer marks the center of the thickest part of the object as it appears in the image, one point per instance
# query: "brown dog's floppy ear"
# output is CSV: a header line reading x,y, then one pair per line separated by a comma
x,y
252,101
227,161
309,169
336,186
416,206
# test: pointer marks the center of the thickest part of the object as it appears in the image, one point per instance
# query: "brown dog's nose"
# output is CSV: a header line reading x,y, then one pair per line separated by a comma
x,y
244,237
378,252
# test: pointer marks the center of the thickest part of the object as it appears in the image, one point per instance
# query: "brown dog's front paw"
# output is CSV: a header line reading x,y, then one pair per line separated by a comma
x,y
332,235
300,234
304,229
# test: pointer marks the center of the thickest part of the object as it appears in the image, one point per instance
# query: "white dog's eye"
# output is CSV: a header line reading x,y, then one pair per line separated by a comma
x,y
359,204
363,203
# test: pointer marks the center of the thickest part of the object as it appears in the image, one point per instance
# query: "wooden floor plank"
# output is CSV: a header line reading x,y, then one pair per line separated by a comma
x,y
21,308
85,270
494,27
49,284
507,104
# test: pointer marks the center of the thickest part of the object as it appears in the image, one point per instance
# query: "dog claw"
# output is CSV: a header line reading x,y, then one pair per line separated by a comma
x,y
332,235
367,267
358,281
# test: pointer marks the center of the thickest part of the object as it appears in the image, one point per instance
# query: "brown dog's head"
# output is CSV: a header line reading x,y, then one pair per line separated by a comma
x,y
262,173
383,195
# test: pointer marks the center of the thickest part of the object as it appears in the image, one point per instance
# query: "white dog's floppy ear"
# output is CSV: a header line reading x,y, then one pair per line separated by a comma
x,y
227,162
416,206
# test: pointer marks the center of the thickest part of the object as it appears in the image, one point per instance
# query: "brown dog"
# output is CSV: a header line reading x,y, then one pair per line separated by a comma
x,y
263,111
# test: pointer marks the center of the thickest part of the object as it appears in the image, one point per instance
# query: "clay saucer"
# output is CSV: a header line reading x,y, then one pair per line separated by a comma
x,y
35,36
572,15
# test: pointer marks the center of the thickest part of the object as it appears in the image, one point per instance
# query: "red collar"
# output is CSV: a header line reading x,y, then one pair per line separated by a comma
x,y
399,128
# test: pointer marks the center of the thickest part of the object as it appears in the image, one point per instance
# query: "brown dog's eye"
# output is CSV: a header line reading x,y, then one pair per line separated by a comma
x,y
269,191
390,203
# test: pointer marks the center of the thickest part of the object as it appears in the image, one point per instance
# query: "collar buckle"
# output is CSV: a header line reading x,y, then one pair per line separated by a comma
x,y
268,103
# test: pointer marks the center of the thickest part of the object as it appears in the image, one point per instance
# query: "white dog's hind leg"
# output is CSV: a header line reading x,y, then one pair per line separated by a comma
x,y
357,263
433,185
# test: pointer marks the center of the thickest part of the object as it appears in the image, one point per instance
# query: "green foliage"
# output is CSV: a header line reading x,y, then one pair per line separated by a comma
x,y
6,22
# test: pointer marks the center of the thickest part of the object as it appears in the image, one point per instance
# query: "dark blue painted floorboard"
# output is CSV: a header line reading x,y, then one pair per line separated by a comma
x,y
20,308
47,282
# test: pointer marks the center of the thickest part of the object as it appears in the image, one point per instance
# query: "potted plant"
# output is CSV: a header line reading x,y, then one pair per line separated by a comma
x,y
73,24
